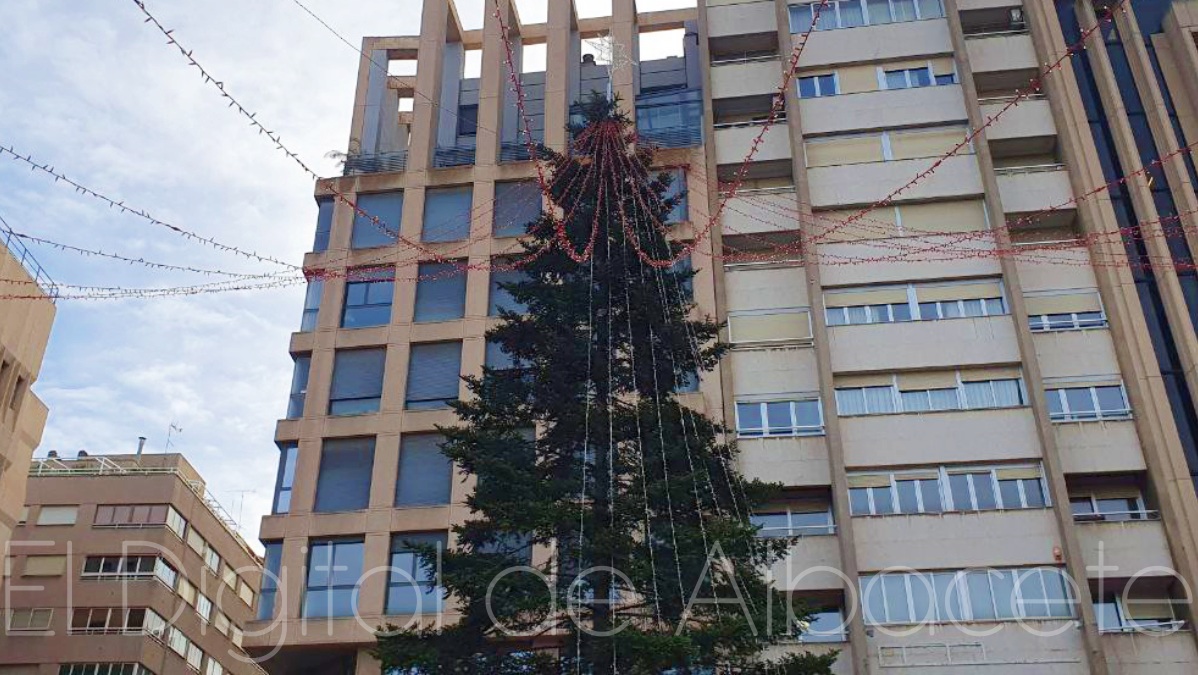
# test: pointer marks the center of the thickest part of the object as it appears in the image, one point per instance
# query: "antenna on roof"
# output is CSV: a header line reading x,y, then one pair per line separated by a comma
x,y
173,429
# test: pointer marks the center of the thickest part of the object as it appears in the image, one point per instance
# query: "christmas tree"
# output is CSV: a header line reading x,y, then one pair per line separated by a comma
x,y
609,528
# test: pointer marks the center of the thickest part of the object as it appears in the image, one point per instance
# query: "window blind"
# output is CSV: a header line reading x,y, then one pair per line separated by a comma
x,y
1065,303
447,214
922,381
440,292
761,327
388,208
964,291
956,216
358,373
433,371
344,480
424,472
867,296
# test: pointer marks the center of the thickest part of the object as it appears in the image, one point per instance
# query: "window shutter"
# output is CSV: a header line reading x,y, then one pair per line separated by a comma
x,y
358,373
517,205
447,214
854,381
1083,382
957,216
344,480
433,372
922,381
45,565
774,326
878,224
982,375
388,208
57,515
1018,472
868,296
934,143
869,480
1064,303
844,150
424,472
440,292
970,291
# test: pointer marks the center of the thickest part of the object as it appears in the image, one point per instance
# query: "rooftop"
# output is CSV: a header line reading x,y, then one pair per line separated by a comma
x,y
18,250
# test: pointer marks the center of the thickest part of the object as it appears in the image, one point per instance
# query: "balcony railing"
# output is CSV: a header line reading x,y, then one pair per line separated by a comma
x,y
518,152
376,163
458,155
19,251
1117,517
672,119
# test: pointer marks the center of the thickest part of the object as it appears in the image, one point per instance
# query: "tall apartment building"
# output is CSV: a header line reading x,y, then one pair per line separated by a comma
x,y
24,330
981,374
125,565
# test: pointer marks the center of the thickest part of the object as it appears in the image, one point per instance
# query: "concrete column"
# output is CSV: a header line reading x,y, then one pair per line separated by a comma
x,y
429,66
494,81
561,66
624,33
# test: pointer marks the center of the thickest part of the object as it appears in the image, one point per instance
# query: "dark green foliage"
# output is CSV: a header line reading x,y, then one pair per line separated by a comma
x,y
598,355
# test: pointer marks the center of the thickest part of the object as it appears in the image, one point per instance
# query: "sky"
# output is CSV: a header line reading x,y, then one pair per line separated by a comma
x,y
90,89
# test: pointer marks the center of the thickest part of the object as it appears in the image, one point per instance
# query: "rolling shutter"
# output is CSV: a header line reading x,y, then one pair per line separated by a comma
x,y
440,292
433,370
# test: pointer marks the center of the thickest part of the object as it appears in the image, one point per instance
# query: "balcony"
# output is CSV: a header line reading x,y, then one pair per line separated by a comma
x,y
773,370
799,461
981,539
913,345
1055,648
931,266
1067,268
377,163
670,119
915,439
755,76
1125,548
885,42
518,152
760,211
1156,653
458,155
732,142
922,106
1028,189
740,17
796,571
1099,447
866,183
1001,61
1026,129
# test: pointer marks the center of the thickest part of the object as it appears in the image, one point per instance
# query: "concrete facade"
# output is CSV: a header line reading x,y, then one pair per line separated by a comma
x,y
993,356
126,562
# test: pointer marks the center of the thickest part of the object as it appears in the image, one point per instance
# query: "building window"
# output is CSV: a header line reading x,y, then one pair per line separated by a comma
x,y
324,224
357,386
907,78
425,473
299,385
368,295
1110,506
497,358
270,579
120,567
433,373
411,586
440,292
311,305
213,667
1041,323
517,205
165,573
29,619
447,214
794,522
940,489
175,522
334,568
915,302
387,207
211,558
866,400
825,624
468,120
57,515
204,608
801,417
1065,311
930,392
1081,404
344,480
852,13
103,669
1131,612
135,516
972,595
816,86
500,297
116,621
677,190
285,478
45,566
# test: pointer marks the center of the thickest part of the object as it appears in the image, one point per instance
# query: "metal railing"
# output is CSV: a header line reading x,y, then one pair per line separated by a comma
x,y
1117,517
98,465
458,155
376,163
746,57
518,152
673,137
1171,626
19,251
1031,168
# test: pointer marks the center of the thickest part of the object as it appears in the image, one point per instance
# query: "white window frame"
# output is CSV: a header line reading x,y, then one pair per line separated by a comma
x,y
795,531
913,306
962,399
819,93
944,488
795,429
203,607
31,613
1099,414
832,11
1129,625
211,558
1099,516
1039,323
175,522
959,595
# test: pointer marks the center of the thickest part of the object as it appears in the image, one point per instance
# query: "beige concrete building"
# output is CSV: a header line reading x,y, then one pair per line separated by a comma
x,y
24,330
979,397
125,565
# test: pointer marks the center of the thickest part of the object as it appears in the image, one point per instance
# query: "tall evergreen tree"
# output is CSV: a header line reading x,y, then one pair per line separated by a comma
x,y
619,474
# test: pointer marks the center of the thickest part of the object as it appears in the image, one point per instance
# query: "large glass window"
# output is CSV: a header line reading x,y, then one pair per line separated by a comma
x,y
334,569
851,13
357,381
368,296
387,207
412,586
501,298
825,624
324,223
285,479
440,292
1079,404
344,480
677,190
311,305
433,374
1110,505
131,515
816,86
939,489
425,473
1136,611
517,205
270,580
299,386
447,213
970,595
794,522
801,417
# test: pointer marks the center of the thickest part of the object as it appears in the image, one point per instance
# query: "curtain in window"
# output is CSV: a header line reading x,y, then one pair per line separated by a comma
x,y
850,401
1006,393
879,399
424,472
